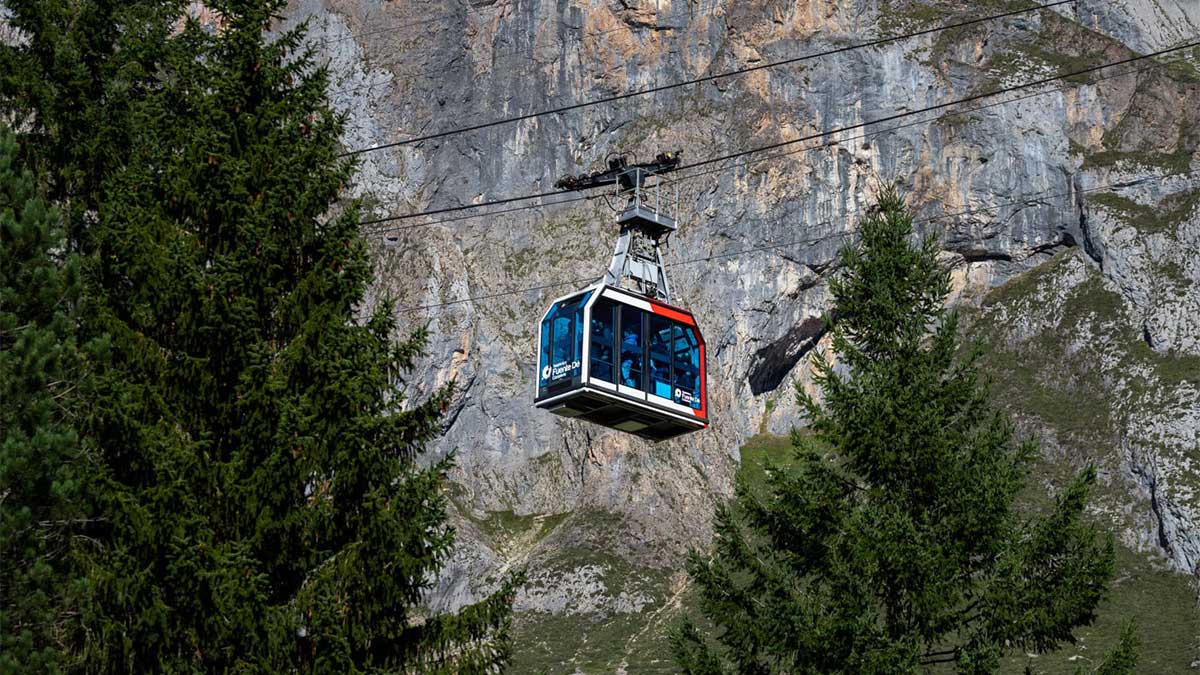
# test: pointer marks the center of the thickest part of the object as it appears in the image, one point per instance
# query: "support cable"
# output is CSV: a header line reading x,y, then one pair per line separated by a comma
x,y
736,165
810,137
700,80
937,106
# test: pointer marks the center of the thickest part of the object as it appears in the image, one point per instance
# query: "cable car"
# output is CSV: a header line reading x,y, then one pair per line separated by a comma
x,y
626,358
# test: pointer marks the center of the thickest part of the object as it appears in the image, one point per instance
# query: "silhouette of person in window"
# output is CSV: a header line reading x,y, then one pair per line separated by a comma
x,y
602,348
631,357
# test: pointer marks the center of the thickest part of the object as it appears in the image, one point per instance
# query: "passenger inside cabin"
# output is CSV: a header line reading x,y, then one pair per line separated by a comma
x,y
602,341
660,357
631,359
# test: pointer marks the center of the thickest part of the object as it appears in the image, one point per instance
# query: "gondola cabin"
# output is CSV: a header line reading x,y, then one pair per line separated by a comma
x,y
623,361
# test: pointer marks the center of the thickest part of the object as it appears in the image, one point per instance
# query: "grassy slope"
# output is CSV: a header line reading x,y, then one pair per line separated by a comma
x,y
1162,603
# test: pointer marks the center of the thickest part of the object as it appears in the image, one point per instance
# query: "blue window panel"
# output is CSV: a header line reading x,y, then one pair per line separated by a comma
x,y
562,341
660,356
577,335
544,364
686,364
631,347
603,341
562,345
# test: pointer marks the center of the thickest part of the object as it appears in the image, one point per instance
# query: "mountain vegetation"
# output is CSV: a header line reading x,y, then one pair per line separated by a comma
x,y
892,542
42,459
252,478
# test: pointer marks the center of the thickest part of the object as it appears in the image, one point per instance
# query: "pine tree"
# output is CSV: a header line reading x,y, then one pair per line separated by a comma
x,y
264,508
69,80
41,461
894,543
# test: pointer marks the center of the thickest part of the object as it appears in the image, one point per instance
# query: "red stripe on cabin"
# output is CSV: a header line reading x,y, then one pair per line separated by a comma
x,y
703,389
663,310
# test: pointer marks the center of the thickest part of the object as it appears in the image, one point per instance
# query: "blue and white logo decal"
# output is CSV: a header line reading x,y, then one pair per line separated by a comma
x,y
559,370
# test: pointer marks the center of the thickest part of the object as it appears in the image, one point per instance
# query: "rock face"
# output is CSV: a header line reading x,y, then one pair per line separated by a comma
x,y
1070,360
1098,164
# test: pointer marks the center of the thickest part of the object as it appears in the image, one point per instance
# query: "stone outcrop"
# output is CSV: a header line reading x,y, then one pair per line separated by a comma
x,y
1100,164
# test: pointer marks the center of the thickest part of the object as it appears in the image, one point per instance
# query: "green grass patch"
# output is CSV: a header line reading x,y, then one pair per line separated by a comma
x,y
903,16
1177,161
1172,272
1161,603
1023,285
554,643
1171,211
1017,60
617,574
760,452
509,532
564,644
602,642
1183,70
1048,365
1144,218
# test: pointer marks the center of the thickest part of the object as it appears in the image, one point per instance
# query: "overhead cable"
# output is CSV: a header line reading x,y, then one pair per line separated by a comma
x,y
937,106
810,137
700,80
675,179
455,219
682,178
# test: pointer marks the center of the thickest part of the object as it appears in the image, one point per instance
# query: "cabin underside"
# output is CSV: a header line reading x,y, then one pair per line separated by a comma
x,y
610,410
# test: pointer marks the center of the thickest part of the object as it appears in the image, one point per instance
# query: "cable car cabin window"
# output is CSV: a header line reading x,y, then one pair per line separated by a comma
x,y
686,363
660,356
603,341
631,347
544,363
562,342
577,342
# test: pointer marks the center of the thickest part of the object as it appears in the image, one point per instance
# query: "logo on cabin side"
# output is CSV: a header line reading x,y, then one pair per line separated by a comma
x,y
559,370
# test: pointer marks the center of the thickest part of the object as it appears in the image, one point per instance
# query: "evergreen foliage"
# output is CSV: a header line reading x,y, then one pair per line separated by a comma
x,y
70,77
894,544
260,504
41,371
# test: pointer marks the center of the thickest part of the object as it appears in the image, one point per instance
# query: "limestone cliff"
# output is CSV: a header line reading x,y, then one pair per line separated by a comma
x,y
1092,176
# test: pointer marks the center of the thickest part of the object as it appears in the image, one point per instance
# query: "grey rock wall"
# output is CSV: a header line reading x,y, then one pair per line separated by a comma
x,y
1021,175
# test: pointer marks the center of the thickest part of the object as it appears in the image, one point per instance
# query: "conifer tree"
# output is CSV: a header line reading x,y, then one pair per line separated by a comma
x,y
41,462
894,544
264,508
70,75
